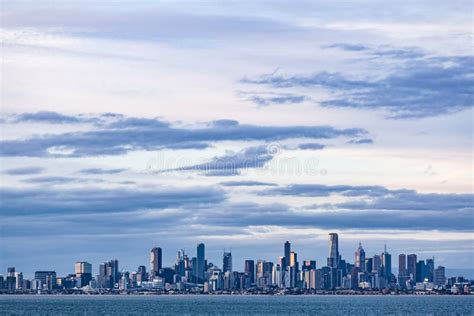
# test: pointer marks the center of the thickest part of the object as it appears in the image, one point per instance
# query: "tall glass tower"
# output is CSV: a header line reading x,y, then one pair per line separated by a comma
x,y
200,262
333,258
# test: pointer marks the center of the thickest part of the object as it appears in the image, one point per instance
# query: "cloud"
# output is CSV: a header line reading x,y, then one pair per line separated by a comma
x,y
361,141
24,171
377,198
127,134
52,180
230,164
246,183
348,47
314,190
101,171
311,146
39,201
46,117
269,98
419,88
381,51
249,214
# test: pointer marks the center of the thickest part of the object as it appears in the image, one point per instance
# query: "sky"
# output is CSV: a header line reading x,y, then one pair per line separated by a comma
x,y
127,125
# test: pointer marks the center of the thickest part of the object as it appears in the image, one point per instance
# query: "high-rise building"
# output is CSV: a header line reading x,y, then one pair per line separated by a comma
x,y
293,269
430,269
264,273
227,262
411,266
109,274
377,265
141,274
156,261
386,264
47,279
421,271
200,262
333,259
286,258
369,264
360,258
81,267
402,265
250,270
18,280
439,276
83,271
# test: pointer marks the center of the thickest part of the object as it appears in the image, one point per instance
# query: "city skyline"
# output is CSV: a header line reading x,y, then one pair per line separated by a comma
x,y
238,264
128,125
196,274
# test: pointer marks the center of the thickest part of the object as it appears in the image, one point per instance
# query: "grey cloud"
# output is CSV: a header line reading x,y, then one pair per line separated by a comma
x,y
246,183
24,171
51,180
311,146
378,198
361,141
93,171
230,164
264,99
422,88
46,117
128,134
59,202
381,51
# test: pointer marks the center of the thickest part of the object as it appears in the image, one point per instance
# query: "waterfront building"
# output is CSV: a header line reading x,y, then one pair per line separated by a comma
x,y
250,270
47,279
360,258
386,264
83,272
333,259
286,257
156,261
200,263
141,274
439,276
411,266
402,265
430,266
227,262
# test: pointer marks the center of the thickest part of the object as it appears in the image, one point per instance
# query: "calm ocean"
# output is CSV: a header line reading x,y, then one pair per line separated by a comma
x,y
236,305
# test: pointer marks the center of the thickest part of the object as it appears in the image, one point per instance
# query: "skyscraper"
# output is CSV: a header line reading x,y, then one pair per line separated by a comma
x,y
286,259
333,258
360,258
141,274
200,262
386,264
227,262
250,270
377,264
421,271
83,271
430,269
439,276
156,263
402,265
411,266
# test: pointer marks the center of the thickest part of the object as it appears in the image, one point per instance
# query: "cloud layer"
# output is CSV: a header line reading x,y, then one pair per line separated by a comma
x,y
419,88
127,134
